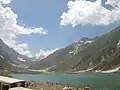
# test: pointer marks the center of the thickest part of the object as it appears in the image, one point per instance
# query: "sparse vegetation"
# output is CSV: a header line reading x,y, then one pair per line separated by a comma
x,y
101,54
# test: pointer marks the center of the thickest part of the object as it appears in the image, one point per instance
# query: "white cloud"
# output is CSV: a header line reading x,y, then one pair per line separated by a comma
x,y
5,1
42,54
86,12
10,30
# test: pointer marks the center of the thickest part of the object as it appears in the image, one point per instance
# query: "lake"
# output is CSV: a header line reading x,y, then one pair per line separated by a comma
x,y
95,81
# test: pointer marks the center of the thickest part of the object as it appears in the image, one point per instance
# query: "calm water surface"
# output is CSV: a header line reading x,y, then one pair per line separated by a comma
x,y
95,81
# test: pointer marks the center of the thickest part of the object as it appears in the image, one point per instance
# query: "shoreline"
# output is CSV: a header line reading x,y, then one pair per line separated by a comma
x,y
88,71
51,73
52,86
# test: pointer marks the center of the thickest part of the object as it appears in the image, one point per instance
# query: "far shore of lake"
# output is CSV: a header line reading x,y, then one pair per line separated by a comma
x,y
80,72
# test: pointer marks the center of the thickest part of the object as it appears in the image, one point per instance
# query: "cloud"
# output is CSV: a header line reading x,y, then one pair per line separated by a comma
x,y
10,29
42,54
5,1
97,12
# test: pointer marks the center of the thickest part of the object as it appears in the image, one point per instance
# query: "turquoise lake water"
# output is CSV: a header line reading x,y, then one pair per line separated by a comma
x,y
95,81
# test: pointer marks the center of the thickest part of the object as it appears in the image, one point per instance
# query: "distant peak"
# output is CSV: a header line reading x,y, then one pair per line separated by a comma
x,y
1,41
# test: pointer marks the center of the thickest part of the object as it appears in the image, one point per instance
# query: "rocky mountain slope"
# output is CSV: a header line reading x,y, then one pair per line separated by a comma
x,y
10,59
99,53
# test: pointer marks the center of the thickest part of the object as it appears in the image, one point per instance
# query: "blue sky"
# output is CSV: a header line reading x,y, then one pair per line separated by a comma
x,y
46,13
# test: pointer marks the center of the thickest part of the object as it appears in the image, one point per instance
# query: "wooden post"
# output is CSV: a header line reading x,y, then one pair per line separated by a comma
x,y
9,85
1,86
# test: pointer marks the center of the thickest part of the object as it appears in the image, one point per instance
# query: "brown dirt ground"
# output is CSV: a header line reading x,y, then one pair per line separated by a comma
x,y
43,86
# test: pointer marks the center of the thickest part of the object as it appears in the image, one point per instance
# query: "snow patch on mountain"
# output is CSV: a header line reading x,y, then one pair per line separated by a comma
x,y
71,52
88,42
21,59
77,44
1,56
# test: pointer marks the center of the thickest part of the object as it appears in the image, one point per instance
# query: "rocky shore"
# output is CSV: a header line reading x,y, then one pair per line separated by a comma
x,y
53,86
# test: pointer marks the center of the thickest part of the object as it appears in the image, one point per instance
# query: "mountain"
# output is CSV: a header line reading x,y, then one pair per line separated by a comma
x,y
10,59
90,54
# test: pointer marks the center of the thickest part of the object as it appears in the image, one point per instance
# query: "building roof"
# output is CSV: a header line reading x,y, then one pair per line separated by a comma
x,y
9,80
19,88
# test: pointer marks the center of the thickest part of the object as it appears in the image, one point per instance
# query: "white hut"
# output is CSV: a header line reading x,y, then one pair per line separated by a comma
x,y
19,88
6,83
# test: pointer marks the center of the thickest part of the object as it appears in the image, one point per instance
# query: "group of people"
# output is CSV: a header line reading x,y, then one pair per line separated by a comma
x,y
65,87
68,87
51,83
29,84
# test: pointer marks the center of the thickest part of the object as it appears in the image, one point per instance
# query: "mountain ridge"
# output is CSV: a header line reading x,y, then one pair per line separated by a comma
x,y
99,53
10,59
